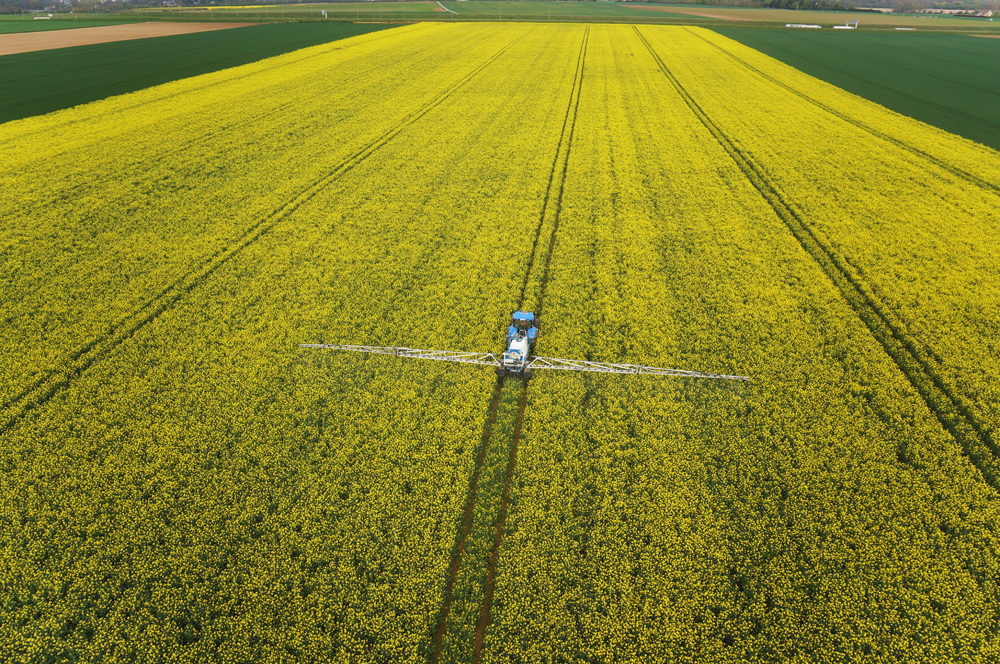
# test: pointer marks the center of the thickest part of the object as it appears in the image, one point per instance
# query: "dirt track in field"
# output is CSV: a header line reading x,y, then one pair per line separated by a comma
x,y
26,42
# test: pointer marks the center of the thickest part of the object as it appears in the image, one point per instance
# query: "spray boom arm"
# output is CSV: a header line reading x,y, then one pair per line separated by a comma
x,y
491,359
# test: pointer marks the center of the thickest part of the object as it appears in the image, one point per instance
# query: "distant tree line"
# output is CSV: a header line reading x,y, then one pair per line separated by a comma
x,y
850,6
17,6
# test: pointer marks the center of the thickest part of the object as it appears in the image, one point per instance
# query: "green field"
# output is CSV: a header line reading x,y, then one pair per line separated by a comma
x,y
19,24
949,81
45,81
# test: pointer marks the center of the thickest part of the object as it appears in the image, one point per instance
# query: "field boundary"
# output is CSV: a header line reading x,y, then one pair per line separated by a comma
x,y
944,401
200,138
954,170
925,102
44,388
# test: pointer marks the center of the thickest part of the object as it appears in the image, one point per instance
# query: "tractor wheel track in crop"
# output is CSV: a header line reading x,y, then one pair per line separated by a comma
x,y
559,166
940,163
501,521
913,361
569,122
43,389
465,527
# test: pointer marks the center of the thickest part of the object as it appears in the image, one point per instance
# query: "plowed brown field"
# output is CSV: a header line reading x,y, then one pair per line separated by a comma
x,y
42,41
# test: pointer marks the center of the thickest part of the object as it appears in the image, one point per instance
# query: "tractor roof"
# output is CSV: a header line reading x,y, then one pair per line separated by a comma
x,y
523,315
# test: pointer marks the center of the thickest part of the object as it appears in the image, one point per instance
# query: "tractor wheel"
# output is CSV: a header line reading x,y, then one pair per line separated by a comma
x,y
527,375
501,371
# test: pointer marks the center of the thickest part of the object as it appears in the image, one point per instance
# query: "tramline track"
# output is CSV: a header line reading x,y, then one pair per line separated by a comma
x,y
501,522
559,169
908,354
77,363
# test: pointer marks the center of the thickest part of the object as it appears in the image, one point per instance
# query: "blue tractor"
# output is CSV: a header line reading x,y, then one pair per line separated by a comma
x,y
521,337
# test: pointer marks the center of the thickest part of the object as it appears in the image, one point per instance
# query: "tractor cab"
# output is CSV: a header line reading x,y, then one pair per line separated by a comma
x,y
523,324
521,336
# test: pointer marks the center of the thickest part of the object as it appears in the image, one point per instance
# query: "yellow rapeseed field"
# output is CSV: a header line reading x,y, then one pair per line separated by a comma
x,y
181,483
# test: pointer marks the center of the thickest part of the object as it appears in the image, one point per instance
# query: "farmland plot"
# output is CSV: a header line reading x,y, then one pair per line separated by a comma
x,y
181,482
